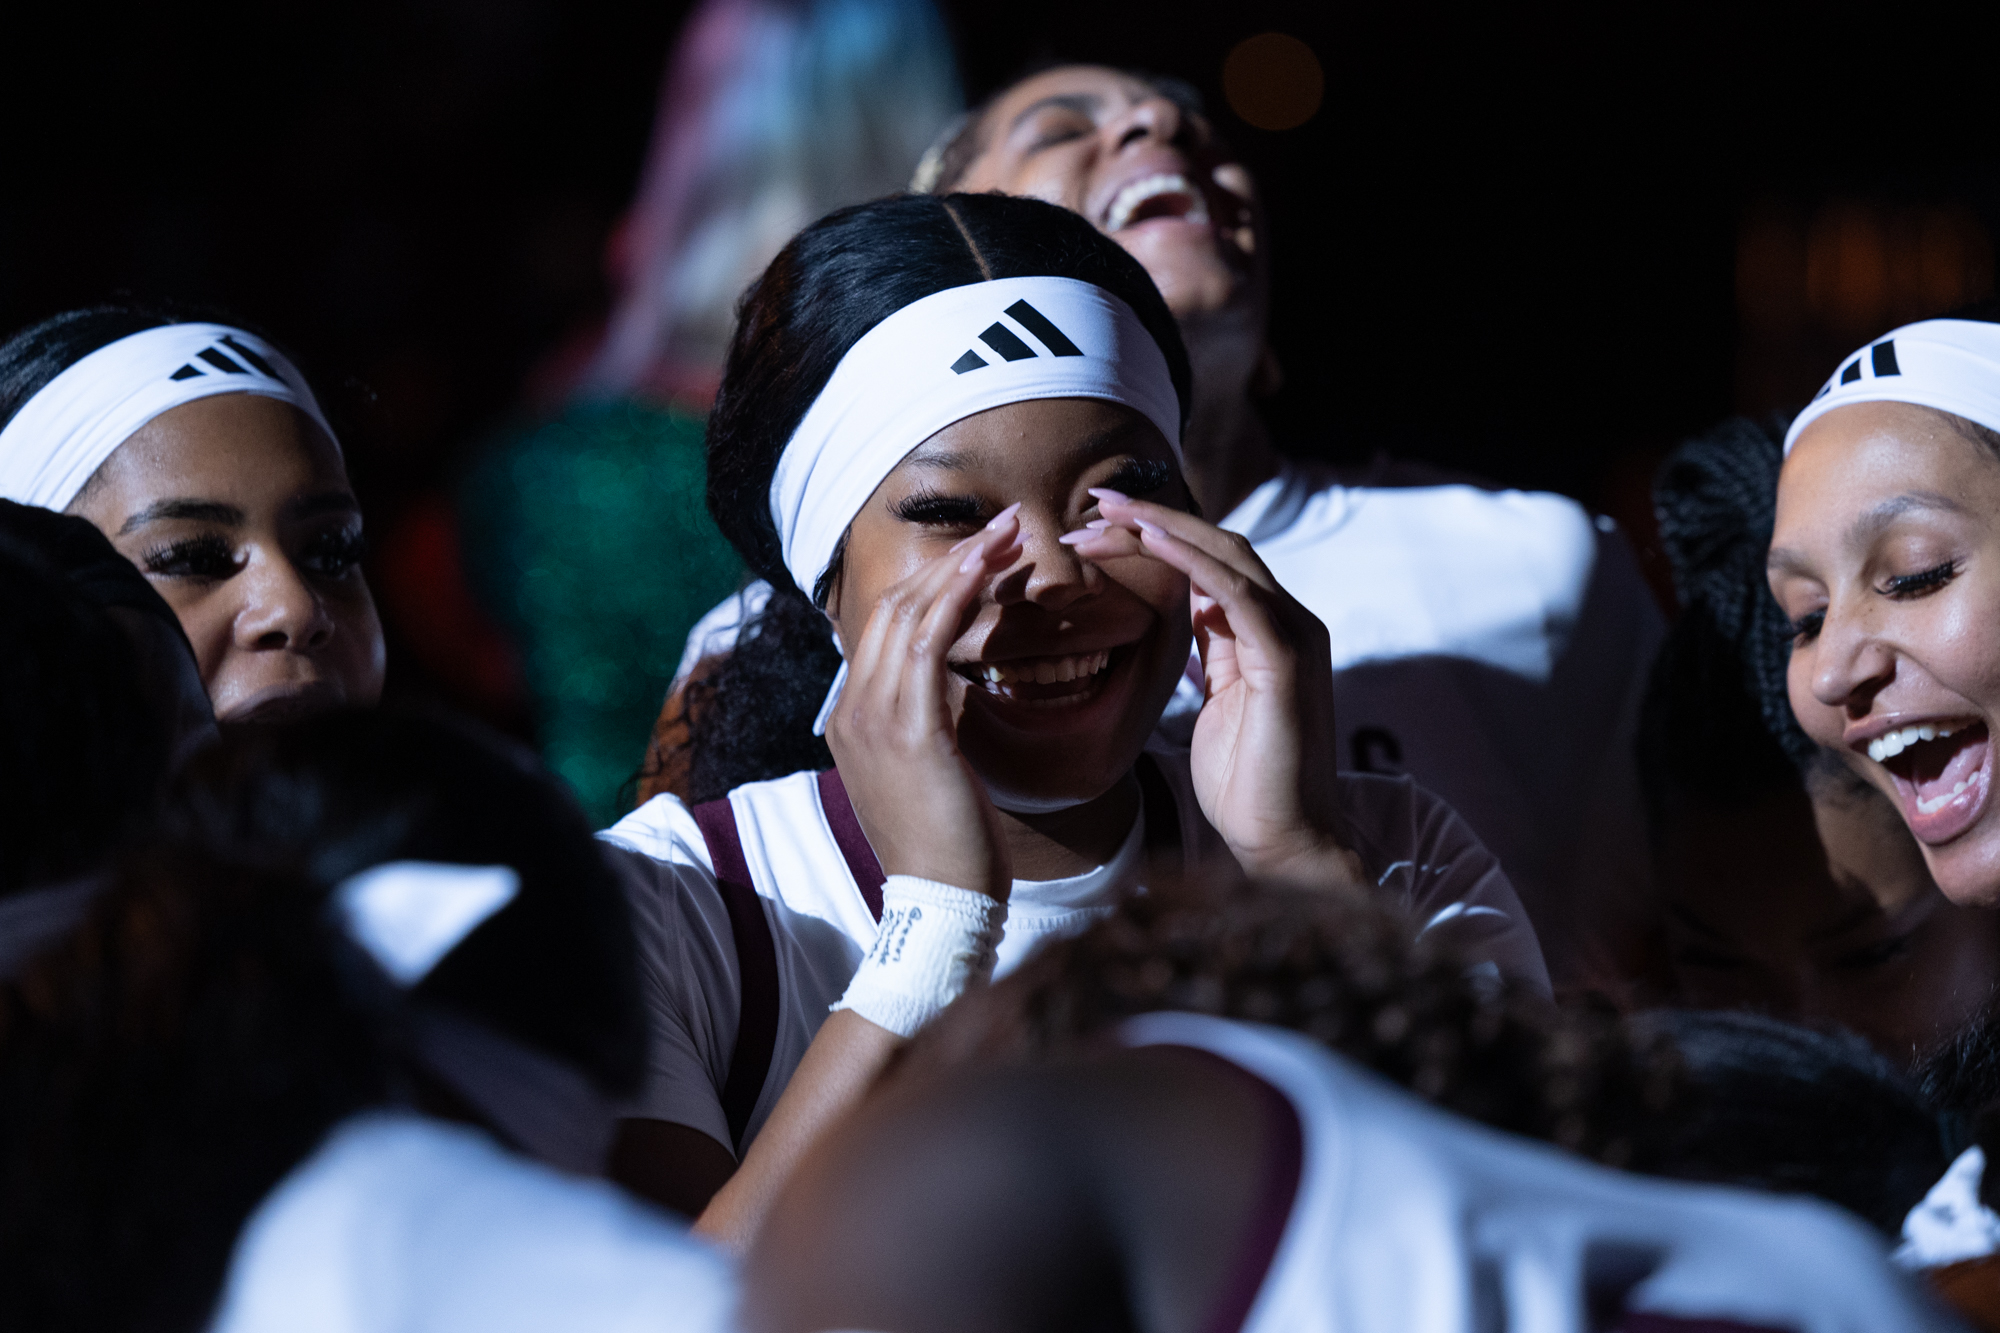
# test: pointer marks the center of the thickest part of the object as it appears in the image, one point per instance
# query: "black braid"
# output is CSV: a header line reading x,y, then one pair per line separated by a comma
x,y
1722,672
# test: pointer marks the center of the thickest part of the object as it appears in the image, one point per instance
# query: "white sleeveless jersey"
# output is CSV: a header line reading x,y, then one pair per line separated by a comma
x,y
1406,1219
398,1222
707,1024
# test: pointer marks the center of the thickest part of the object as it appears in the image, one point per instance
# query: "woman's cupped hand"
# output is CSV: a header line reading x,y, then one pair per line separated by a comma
x,y
1263,745
925,811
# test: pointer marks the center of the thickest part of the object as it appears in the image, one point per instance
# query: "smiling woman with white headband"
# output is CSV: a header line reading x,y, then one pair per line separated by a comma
x,y
199,449
1886,557
948,435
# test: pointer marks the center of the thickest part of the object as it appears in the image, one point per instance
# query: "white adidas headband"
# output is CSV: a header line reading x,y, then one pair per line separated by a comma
x,y
1949,364
65,432
939,360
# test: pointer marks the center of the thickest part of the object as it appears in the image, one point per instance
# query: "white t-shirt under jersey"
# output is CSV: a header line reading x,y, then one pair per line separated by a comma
x,y
398,1222
1494,645
821,925
1406,1217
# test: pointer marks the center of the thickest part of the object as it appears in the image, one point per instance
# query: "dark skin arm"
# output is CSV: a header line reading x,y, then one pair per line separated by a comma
x,y
891,735
1098,1195
684,1169
675,1166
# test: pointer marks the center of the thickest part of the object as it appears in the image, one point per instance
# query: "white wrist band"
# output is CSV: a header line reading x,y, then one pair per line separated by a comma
x,y
935,940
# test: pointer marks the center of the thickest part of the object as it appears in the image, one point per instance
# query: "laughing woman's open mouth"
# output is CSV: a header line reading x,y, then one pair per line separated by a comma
x,y
1046,684
1943,772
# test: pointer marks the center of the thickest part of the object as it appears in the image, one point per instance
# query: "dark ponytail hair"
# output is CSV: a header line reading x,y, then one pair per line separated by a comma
x,y
1717,722
836,280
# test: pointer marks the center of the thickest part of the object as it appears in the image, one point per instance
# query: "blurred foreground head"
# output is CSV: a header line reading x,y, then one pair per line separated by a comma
x,y
1101,1139
213,1018
101,697
1339,966
330,797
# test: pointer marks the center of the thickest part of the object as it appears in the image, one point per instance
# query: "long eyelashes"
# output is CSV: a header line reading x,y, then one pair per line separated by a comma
x,y
336,553
1908,585
205,557
1807,627
211,556
1140,477
940,510
1137,477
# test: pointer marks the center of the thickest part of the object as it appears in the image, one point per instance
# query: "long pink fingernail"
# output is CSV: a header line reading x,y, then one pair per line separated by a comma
x,y
1005,514
1072,538
1106,493
1153,528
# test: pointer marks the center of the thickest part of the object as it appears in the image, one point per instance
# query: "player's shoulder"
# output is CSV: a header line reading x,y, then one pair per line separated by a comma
x,y
667,829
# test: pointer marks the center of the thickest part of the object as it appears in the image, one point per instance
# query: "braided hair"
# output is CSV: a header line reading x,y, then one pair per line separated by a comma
x,y
752,715
1339,965
1717,723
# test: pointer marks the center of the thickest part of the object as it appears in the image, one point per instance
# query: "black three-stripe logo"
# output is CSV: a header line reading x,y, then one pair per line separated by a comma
x,y
220,359
1009,344
1881,361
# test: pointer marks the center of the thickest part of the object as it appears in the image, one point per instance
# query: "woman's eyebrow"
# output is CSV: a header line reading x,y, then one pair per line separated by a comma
x,y
1085,103
1097,444
201,511
1110,440
1870,525
1784,560
1866,528
942,458
323,502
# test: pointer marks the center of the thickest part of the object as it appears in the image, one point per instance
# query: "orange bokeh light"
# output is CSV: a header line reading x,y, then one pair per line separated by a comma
x,y
1273,81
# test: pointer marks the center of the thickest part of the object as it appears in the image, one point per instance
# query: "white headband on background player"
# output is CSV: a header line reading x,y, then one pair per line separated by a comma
x,y
63,434
1952,365
942,359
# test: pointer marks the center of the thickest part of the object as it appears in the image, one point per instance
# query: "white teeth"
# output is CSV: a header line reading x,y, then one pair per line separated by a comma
x,y
1890,744
1937,803
1048,670
1151,187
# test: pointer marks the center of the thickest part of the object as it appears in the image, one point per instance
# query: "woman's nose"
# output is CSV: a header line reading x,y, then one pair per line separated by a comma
x,y
1154,117
1851,664
281,610
1047,573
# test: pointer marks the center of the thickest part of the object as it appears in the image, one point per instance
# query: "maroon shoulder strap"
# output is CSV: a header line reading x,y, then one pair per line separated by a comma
x,y
1163,826
853,843
756,966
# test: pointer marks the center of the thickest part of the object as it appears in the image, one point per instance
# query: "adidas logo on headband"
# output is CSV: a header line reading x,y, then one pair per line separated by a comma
x,y
216,357
1881,359
1008,343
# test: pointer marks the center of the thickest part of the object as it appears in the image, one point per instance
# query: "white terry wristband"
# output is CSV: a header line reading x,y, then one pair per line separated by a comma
x,y
935,940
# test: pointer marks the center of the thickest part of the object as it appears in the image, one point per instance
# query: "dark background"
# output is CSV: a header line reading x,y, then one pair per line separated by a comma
x,y
1541,249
